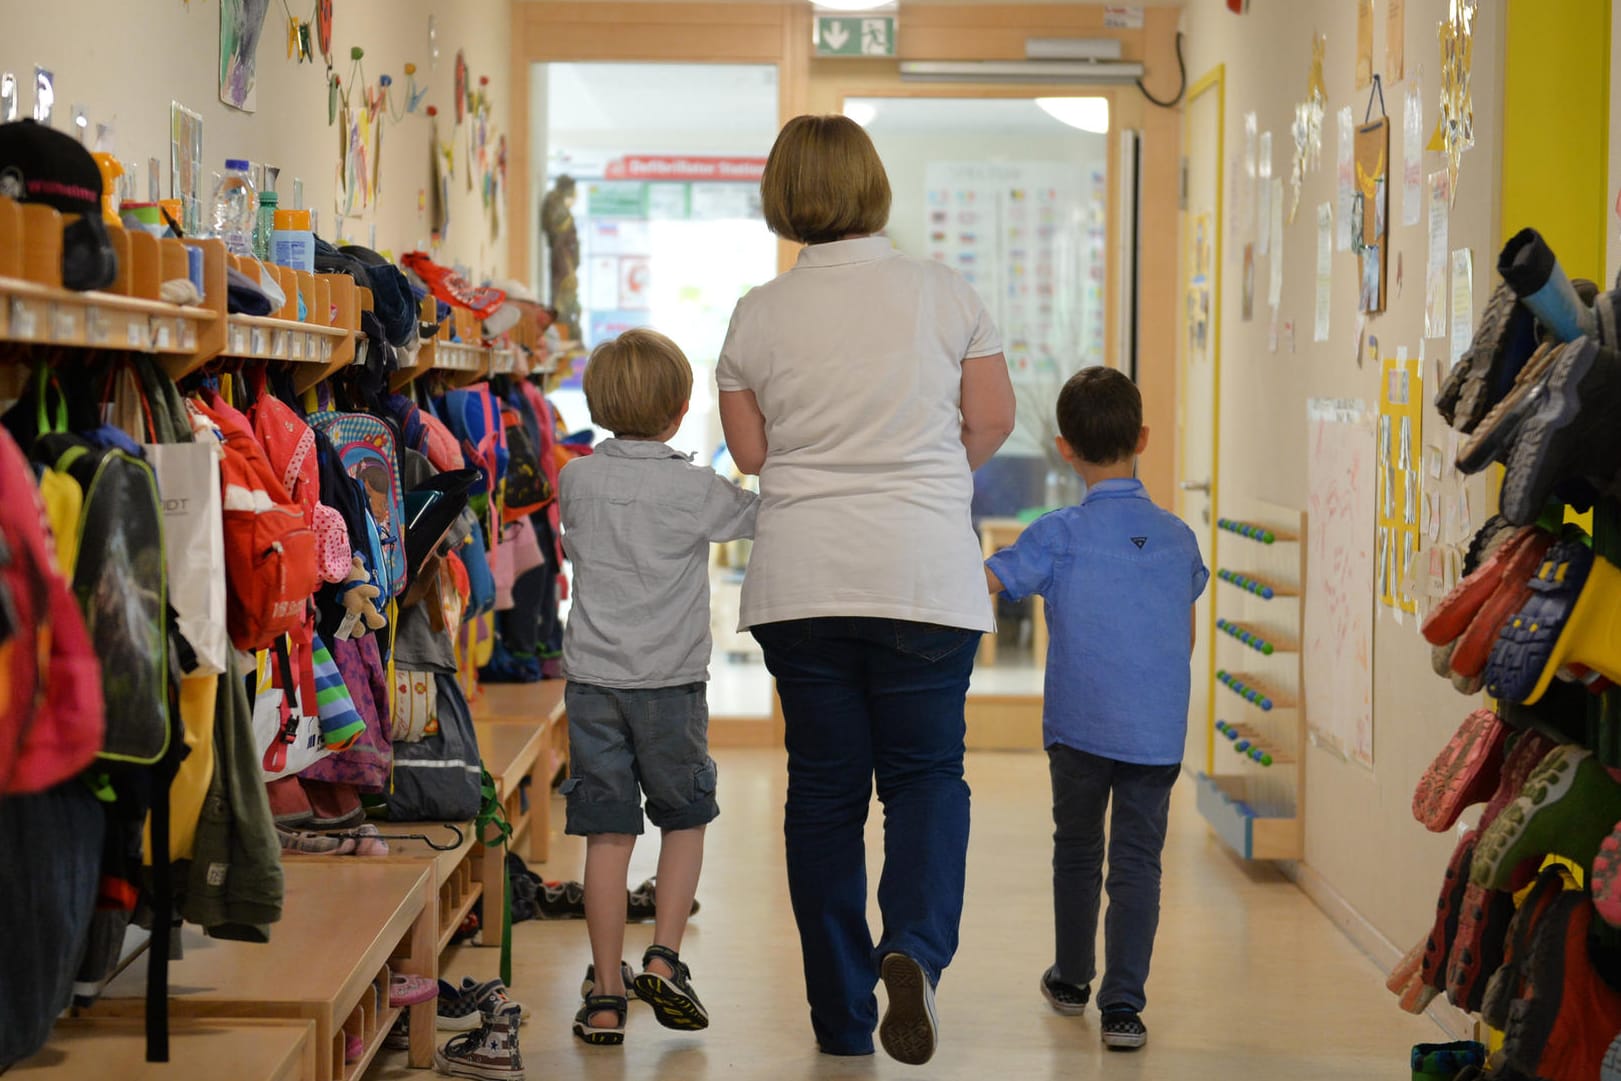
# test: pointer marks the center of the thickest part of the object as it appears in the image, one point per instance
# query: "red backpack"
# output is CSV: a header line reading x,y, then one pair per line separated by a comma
x,y
51,719
270,553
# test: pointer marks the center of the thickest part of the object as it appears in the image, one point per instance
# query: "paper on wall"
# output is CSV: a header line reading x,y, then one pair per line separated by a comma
x,y
1325,269
1364,44
1435,273
1246,180
1347,179
1274,295
1263,192
1395,40
1463,301
1413,151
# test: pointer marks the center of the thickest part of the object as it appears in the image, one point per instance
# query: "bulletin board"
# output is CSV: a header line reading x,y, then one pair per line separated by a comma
x,y
1400,439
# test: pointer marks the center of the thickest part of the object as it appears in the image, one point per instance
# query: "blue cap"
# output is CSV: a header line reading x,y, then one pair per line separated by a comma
x,y
239,164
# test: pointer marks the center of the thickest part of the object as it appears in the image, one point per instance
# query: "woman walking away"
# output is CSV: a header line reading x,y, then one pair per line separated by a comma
x,y
864,387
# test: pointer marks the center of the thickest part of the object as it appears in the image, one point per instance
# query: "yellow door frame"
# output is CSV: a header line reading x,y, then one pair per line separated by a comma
x,y
1213,80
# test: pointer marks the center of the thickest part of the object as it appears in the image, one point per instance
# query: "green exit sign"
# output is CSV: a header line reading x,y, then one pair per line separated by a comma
x,y
855,35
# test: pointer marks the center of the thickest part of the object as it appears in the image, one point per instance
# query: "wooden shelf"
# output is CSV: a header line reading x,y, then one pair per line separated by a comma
x,y
51,315
253,338
1224,803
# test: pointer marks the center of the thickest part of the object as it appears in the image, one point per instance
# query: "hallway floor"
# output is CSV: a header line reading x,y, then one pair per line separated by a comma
x,y
1251,981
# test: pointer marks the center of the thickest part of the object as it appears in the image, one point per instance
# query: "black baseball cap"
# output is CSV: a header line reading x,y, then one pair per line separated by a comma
x,y
42,165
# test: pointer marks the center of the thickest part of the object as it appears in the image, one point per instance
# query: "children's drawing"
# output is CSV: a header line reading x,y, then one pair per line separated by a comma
x,y
241,22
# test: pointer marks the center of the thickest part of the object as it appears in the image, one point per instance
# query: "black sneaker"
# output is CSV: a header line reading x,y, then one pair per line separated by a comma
x,y
1123,1030
1064,998
674,1001
641,903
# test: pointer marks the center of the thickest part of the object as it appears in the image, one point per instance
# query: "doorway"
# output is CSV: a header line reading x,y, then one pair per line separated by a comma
x,y
658,165
1014,194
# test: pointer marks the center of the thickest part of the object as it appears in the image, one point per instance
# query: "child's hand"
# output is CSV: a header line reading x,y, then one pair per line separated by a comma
x,y
993,582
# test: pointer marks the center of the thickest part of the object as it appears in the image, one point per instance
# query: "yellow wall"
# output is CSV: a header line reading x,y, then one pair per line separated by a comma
x,y
126,62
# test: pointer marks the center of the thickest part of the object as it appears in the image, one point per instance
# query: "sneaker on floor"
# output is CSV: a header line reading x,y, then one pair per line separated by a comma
x,y
488,1054
399,1037
1123,1030
601,1035
458,1009
674,1001
491,996
641,903
1064,998
627,975
1567,808
910,1030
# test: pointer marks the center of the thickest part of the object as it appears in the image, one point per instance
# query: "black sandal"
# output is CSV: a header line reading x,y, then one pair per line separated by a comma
x,y
596,1035
674,1001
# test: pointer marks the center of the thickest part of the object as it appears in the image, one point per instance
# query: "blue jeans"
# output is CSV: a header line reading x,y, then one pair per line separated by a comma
x,y
865,699
1083,786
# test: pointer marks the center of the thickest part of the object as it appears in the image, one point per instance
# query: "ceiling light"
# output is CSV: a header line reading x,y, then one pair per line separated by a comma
x,y
862,112
852,5
1048,72
1085,114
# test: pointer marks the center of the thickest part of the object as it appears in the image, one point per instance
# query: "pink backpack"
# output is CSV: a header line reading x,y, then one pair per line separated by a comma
x,y
290,445
51,720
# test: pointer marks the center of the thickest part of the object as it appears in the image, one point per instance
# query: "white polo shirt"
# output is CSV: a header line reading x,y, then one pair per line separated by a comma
x,y
855,356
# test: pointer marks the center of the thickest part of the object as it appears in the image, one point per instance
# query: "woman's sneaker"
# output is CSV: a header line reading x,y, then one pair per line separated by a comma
x,y
910,1030
673,999
1123,1030
1064,998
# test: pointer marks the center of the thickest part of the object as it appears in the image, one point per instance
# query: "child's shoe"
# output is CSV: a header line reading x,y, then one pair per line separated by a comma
x,y
1123,1030
601,1035
673,999
588,986
1064,998
1567,808
458,1010
489,1054
491,995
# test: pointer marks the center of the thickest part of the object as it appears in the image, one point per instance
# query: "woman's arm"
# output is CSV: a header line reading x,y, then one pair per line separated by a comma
x,y
987,407
744,426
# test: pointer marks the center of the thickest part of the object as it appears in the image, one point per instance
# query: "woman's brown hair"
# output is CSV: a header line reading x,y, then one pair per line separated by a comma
x,y
824,182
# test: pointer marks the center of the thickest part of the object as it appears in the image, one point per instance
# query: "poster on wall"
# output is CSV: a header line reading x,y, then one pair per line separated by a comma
x,y
241,23
1024,234
186,165
1338,646
1372,209
1400,432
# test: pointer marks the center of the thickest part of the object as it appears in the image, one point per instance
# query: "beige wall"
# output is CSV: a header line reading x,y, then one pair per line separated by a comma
x,y
125,63
1361,840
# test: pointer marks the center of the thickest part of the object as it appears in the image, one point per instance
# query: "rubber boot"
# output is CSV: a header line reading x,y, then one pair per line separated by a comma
x,y
1567,808
1477,950
1466,772
1453,615
1503,989
1569,432
1531,269
1474,648
1556,629
1504,341
1563,1028
1448,907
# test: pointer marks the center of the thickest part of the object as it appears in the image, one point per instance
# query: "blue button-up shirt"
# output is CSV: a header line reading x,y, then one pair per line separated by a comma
x,y
1119,577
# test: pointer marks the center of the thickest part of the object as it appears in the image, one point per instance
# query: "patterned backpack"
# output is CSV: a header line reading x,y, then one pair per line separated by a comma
x,y
366,446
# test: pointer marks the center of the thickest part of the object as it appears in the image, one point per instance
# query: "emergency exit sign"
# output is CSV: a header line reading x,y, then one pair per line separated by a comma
x,y
855,35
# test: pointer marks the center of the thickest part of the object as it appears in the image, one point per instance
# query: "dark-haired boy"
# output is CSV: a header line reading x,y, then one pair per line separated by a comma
x,y
1119,577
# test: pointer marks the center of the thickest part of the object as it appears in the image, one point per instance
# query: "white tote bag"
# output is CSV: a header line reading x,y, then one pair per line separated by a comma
x,y
194,544
305,747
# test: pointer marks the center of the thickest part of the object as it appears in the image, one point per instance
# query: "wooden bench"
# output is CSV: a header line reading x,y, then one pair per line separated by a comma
x,y
343,926
248,1050
512,754
538,705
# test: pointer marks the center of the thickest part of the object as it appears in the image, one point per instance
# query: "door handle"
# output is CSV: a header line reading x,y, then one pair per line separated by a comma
x,y
1196,486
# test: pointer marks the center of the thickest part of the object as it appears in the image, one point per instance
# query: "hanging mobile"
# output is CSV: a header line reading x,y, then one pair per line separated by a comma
x,y
323,27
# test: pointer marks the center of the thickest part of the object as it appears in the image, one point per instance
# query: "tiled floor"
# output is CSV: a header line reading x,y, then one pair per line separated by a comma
x,y
1251,981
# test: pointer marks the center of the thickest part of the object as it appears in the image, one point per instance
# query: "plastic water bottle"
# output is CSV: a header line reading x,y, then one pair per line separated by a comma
x,y
236,208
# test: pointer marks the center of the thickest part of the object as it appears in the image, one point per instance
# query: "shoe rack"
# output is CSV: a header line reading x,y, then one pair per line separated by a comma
x,y
1252,791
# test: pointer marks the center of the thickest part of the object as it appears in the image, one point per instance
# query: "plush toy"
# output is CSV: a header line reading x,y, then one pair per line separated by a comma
x,y
360,596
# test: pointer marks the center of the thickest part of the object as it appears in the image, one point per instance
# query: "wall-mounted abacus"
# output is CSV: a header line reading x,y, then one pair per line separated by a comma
x,y
1244,743
1251,531
1262,589
1249,637
1254,797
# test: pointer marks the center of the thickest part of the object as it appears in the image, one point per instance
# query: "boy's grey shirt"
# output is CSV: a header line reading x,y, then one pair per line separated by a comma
x,y
638,520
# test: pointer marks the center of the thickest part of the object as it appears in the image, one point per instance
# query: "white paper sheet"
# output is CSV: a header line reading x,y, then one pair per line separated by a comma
x,y
1346,178
1274,292
1435,272
1463,301
1325,269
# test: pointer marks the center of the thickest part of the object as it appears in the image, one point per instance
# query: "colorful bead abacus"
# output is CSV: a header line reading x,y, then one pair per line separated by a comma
x,y
1249,694
1244,582
1247,636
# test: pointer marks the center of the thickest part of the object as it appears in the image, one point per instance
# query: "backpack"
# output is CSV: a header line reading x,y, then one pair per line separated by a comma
x,y
270,552
51,708
439,778
289,443
121,586
474,416
527,489
366,447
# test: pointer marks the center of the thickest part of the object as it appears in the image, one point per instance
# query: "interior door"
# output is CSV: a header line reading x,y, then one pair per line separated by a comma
x,y
1199,376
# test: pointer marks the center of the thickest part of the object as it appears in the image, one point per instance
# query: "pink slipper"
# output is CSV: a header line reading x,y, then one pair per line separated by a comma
x,y
408,990
353,1047
368,843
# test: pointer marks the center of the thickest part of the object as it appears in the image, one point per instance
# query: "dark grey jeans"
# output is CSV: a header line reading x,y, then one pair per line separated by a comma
x,y
1082,787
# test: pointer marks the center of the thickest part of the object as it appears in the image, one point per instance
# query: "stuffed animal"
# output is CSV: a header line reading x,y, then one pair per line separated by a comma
x,y
360,596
